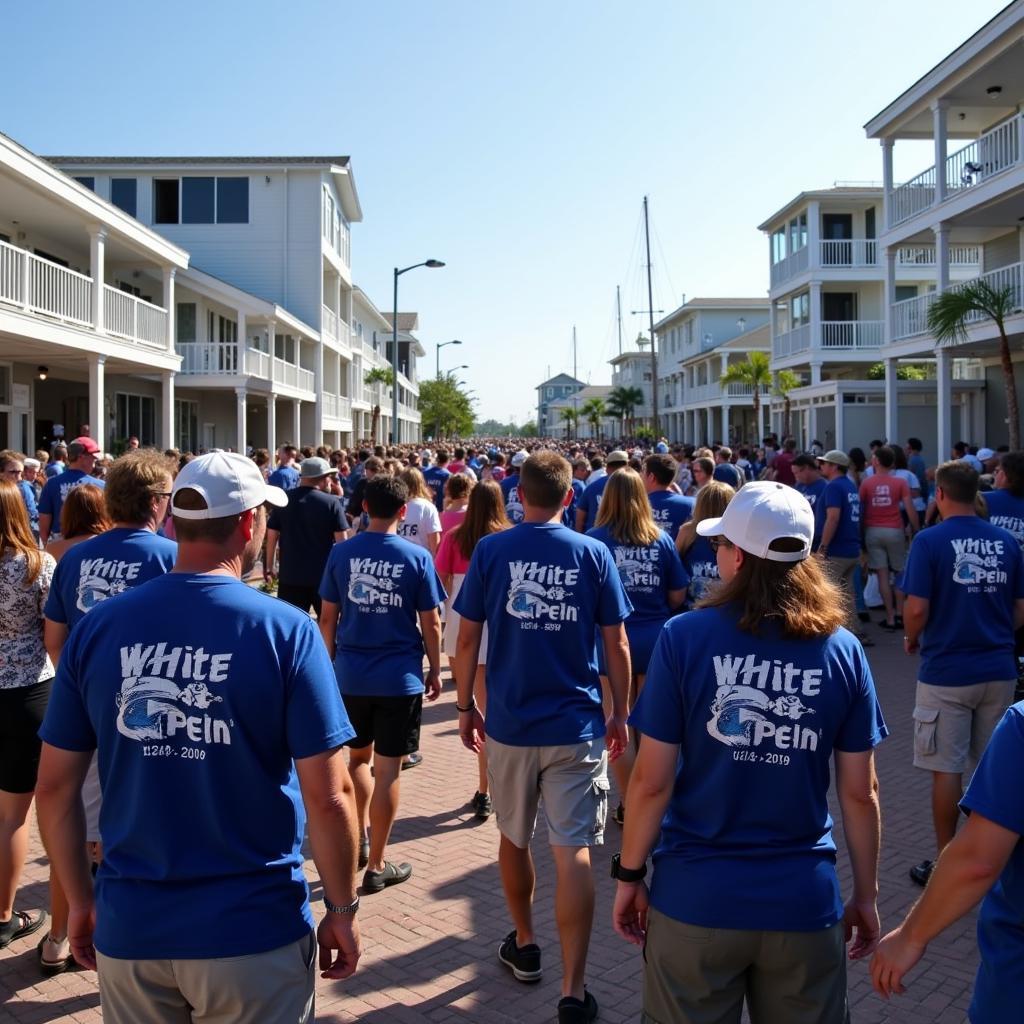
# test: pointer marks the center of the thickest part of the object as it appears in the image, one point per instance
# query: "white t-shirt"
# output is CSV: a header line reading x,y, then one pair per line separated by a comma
x,y
421,520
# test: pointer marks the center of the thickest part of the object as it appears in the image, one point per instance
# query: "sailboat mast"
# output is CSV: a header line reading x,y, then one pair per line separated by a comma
x,y
650,312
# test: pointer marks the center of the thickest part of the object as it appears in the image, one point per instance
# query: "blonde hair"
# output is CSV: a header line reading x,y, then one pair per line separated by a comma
x,y
626,510
712,500
417,484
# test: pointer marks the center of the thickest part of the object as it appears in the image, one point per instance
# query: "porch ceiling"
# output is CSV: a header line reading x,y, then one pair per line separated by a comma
x,y
62,359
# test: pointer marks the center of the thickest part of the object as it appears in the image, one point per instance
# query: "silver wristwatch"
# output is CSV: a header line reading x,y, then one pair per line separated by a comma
x,y
349,908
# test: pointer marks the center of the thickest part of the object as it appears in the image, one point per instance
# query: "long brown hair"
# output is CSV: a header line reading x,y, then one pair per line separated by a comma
x,y
799,596
485,514
84,513
15,532
711,501
417,485
626,511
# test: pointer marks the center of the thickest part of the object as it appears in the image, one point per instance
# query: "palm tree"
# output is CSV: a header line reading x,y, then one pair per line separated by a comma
x,y
622,403
754,371
616,407
953,310
379,376
570,417
786,381
594,411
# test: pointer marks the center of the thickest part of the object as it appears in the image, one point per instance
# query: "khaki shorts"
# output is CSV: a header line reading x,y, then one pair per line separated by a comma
x,y
887,547
953,724
696,975
266,988
571,780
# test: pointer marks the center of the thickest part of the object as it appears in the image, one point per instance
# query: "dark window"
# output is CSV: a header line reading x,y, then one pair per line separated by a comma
x,y
42,254
232,200
123,194
165,201
197,200
87,182
186,322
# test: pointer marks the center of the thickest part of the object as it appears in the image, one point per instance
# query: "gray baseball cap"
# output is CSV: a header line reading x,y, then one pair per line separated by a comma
x,y
314,467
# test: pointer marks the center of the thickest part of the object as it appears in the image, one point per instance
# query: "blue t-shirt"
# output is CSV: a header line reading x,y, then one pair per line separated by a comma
x,y
727,473
917,466
54,469
999,987
591,500
285,477
436,478
28,495
670,510
746,841
840,493
382,582
198,692
542,589
513,503
56,489
701,566
105,566
812,492
1006,511
569,513
971,572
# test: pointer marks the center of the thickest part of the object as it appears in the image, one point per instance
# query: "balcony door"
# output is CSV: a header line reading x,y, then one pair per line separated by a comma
x,y
837,230
838,306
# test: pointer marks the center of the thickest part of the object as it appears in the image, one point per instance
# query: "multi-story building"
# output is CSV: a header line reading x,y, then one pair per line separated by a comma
x,y
972,196
694,407
409,350
87,312
827,291
559,386
605,428
633,369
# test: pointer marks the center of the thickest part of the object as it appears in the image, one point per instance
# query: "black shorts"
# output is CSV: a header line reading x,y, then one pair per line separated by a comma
x,y
391,724
21,714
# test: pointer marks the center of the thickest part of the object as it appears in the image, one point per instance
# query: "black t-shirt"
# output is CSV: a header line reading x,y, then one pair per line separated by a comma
x,y
307,525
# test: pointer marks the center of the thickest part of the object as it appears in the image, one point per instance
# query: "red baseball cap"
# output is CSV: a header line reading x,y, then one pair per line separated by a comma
x,y
86,444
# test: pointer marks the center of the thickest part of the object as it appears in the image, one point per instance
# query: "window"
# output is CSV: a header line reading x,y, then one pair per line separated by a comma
x,y
89,183
220,328
124,194
197,199
186,323
165,200
186,424
284,348
232,200
778,245
798,233
800,310
135,414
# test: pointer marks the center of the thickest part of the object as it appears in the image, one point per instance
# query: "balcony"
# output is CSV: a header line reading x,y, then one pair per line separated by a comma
x,y
230,360
291,376
337,407
708,394
334,330
45,289
839,336
910,317
996,151
791,265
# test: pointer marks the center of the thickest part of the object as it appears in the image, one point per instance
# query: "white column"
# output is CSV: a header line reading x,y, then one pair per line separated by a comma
x,y
337,302
942,256
812,425
726,410
944,398
240,414
97,253
892,414
243,341
887,199
297,438
169,304
815,316
840,441
272,422
939,111
814,233
167,409
889,292
815,372
97,403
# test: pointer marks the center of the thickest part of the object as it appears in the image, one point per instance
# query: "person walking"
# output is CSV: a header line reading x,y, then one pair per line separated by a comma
x,y
748,701
1006,503
380,597
286,476
965,598
586,509
421,523
543,590
695,552
218,730
82,454
669,508
302,533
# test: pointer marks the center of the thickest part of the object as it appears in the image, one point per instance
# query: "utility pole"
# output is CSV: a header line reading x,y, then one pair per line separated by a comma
x,y
618,310
650,313
575,399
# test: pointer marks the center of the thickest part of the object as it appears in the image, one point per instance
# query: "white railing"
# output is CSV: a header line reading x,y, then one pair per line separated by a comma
x,y
257,363
330,406
716,391
924,256
306,380
57,291
285,373
849,252
910,316
330,323
128,317
12,274
916,196
853,334
1010,277
791,342
794,263
344,407
209,358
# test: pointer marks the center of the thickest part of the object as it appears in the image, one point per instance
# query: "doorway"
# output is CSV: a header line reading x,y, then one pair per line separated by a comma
x,y
837,230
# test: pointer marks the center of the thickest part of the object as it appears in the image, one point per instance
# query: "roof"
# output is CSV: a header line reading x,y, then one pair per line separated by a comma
x,y
406,321
625,357
840,192
561,378
358,295
581,396
695,305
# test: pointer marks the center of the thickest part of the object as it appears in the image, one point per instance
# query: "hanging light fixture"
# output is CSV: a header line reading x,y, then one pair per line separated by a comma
x,y
43,372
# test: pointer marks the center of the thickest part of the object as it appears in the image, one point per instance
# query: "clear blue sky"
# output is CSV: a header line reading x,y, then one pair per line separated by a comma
x,y
513,141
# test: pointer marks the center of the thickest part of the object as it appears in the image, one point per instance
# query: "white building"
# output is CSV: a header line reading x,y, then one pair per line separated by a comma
x,y
827,291
633,369
87,312
693,406
972,196
607,427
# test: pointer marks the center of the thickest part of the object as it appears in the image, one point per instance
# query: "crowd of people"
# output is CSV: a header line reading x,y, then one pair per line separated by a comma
x,y
691,620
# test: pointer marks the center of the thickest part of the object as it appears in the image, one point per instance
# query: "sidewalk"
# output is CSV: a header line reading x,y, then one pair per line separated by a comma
x,y
429,945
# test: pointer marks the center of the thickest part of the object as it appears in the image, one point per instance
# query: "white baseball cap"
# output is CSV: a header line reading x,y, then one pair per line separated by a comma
x,y
520,457
984,454
230,483
763,512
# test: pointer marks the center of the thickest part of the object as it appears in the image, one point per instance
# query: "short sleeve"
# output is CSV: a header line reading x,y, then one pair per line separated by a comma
x,y
989,792
46,499
328,583
431,519
613,606
444,560
863,728
51,592
67,724
470,602
274,519
315,716
431,593
919,573
676,575
338,514
659,710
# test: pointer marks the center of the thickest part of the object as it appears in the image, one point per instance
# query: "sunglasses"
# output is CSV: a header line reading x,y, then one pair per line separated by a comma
x,y
720,542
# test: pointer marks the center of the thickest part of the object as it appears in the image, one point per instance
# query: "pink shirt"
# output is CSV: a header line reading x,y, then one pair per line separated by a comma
x,y
450,560
880,498
451,517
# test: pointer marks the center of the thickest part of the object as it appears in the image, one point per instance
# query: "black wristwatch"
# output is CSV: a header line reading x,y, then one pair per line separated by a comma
x,y
627,874
349,908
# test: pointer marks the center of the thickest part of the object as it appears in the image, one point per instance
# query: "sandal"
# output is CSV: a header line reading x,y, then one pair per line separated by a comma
x,y
60,958
21,924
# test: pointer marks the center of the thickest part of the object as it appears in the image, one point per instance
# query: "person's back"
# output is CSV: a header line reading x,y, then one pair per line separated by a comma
x,y
286,477
1006,503
881,495
782,465
82,458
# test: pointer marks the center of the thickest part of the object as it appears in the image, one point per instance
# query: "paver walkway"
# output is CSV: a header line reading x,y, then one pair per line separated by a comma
x,y
429,945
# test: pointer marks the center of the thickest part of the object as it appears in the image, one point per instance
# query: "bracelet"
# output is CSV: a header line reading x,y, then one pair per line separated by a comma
x,y
349,908
463,711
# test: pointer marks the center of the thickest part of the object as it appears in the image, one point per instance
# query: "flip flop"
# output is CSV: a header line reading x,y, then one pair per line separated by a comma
x,y
30,922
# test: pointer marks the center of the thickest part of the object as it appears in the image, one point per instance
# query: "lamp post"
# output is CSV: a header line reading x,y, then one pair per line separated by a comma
x,y
440,345
433,264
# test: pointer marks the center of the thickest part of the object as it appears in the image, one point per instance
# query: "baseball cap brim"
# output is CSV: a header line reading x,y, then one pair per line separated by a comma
x,y
278,496
711,527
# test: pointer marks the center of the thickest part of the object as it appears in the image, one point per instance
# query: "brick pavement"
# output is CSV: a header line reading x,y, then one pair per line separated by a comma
x,y
430,944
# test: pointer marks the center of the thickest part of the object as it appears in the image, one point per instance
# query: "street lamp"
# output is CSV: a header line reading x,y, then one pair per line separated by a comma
x,y
433,264
440,345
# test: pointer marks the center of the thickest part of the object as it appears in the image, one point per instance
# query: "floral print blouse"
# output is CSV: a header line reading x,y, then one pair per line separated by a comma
x,y
23,658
